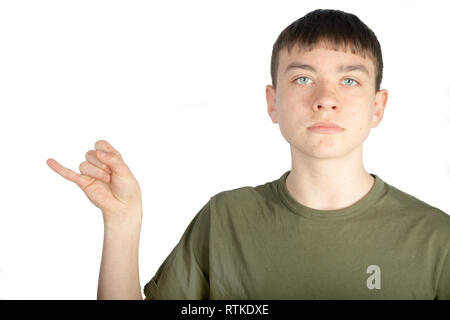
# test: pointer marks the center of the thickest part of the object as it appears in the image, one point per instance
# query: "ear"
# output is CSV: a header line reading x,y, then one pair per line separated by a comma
x,y
271,103
381,98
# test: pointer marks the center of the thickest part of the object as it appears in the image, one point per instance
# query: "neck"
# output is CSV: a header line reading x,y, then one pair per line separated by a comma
x,y
328,184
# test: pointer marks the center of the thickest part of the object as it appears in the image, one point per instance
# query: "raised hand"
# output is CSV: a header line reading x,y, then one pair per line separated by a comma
x,y
107,182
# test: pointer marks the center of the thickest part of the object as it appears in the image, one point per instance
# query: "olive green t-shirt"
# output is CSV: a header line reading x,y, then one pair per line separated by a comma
x,y
260,243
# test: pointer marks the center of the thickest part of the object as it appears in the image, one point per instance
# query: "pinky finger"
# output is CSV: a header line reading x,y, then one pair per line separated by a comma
x,y
64,172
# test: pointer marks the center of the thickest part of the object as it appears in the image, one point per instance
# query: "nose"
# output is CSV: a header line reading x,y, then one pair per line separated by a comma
x,y
318,107
325,99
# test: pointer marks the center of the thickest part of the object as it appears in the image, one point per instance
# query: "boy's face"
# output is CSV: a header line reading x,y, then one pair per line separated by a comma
x,y
304,97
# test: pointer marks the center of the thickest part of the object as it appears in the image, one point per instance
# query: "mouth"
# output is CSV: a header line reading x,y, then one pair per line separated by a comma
x,y
326,127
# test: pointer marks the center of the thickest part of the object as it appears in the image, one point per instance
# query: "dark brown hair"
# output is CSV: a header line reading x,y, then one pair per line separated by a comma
x,y
336,28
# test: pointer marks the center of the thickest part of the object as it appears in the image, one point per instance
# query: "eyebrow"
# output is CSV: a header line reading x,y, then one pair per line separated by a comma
x,y
341,68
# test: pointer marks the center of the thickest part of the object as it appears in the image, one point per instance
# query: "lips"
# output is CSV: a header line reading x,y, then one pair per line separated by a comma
x,y
326,125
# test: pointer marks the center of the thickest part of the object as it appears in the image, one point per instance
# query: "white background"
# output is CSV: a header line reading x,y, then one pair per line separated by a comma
x,y
178,87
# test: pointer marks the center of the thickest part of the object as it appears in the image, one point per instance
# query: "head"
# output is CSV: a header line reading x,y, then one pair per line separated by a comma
x,y
326,89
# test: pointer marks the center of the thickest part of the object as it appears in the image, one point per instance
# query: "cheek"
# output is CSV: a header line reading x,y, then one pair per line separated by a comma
x,y
291,119
360,120
356,119
292,111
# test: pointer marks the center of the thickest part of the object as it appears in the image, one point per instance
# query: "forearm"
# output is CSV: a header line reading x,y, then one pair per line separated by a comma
x,y
119,269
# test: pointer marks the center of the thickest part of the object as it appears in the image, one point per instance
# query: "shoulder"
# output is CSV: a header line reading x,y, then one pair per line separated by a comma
x,y
412,207
246,196
235,196
232,202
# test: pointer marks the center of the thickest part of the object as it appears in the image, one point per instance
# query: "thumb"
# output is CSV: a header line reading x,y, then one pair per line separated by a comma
x,y
123,183
114,161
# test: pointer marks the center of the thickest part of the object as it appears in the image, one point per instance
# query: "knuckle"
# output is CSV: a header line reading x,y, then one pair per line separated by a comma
x,y
82,165
113,156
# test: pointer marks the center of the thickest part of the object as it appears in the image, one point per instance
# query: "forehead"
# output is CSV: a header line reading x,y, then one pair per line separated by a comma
x,y
323,57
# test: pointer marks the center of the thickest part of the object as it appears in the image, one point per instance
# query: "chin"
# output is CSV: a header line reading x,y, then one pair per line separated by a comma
x,y
329,151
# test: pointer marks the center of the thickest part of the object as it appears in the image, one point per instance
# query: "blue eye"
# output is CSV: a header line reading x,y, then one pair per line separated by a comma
x,y
354,81
301,78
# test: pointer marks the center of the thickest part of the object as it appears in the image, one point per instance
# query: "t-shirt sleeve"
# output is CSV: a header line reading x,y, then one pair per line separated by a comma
x,y
184,274
443,289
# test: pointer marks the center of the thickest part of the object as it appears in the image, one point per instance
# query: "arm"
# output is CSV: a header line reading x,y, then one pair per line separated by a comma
x,y
119,270
111,186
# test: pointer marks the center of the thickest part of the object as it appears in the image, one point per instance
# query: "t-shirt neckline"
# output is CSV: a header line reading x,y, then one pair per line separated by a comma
x,y
355,209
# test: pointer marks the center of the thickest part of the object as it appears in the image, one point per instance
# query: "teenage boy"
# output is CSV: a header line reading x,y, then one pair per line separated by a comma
x,y
326,229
